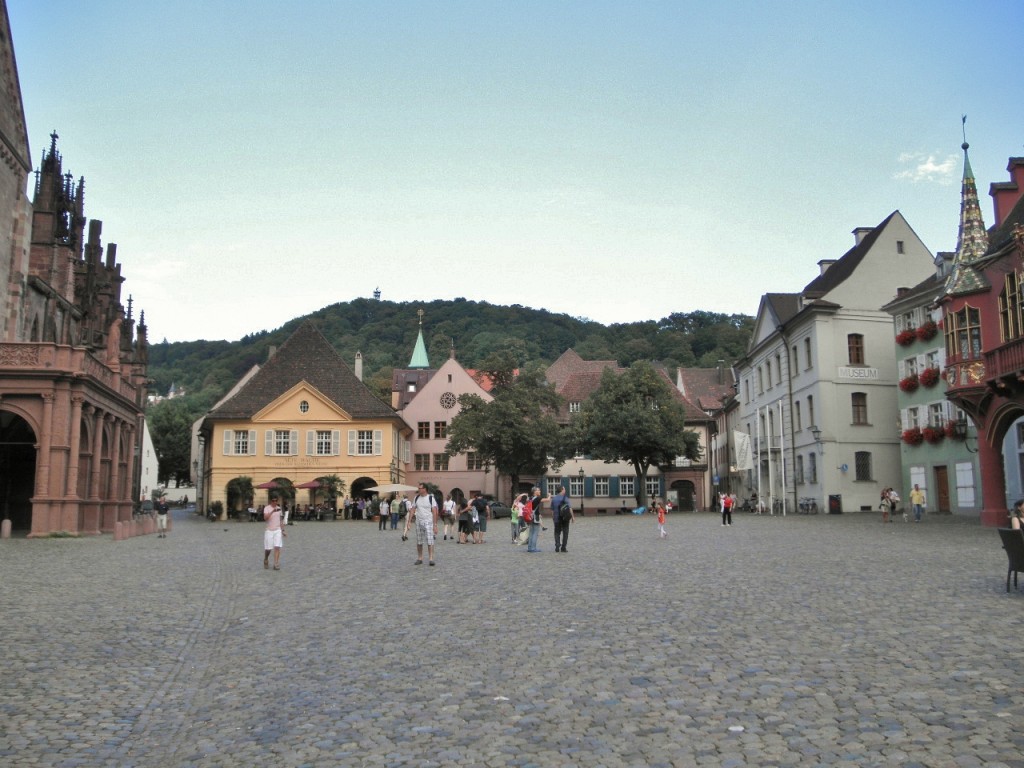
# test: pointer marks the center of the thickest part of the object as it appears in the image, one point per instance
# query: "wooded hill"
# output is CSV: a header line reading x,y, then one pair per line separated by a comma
x,y
385,333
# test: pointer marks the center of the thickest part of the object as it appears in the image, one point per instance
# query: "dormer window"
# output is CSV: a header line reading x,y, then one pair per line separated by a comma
x,y
574,407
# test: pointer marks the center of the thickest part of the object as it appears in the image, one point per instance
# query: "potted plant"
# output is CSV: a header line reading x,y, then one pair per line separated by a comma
x,y
929,377
927,331
907,337
909,383
934,435
912,436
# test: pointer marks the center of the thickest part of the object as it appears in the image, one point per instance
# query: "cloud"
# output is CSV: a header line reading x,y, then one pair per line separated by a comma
x,y
927,168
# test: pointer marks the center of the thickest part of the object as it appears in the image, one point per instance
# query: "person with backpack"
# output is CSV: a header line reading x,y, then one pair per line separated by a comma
x,y
532,517
561,512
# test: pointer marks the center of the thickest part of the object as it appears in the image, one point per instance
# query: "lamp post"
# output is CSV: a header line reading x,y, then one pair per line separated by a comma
x,y
582,473
816,432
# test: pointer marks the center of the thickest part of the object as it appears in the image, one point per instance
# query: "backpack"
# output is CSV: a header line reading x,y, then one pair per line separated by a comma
x,y
528,513
564,512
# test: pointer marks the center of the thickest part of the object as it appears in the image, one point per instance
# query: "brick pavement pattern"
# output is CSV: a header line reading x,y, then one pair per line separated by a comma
x,y
804,641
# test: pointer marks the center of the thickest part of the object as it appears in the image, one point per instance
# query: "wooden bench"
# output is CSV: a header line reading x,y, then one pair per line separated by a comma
x,y
1013,543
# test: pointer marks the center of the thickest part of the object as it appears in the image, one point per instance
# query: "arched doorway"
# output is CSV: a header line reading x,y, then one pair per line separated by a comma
x,y
17,470
686,494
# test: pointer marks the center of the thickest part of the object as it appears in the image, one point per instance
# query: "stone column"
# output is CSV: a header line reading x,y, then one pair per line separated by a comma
x,y
993,483
41,503
71,508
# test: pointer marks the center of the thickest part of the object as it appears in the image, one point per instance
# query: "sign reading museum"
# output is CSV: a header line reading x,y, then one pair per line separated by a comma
x,y
857,373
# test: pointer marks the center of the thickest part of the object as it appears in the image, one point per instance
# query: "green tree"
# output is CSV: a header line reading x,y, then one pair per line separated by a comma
x,y
516,431
170,426
240,493
633,417
332,486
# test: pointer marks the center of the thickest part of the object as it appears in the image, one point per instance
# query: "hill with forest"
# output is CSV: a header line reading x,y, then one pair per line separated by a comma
x,y
385,333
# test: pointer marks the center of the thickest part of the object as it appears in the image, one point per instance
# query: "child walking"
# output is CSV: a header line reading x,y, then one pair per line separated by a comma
x,y
662,533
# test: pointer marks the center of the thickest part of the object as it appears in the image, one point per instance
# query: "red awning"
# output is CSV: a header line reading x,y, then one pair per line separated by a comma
x,y
268,486
310,484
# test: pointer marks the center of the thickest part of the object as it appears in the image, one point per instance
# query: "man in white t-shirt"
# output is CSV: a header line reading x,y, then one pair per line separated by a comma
x,y
425,513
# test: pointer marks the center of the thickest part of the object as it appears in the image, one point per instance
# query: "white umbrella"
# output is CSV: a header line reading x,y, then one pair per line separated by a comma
x,y
392,488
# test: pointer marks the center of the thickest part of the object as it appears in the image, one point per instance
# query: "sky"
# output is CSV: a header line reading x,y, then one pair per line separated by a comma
x,y
617,161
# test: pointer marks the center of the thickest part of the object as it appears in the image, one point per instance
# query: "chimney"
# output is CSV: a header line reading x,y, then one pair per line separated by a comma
x,y
721,371
900,292
860,233
359,365
271,352
824,264
1005,194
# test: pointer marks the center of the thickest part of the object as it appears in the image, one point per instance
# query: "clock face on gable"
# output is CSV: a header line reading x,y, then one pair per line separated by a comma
x,y
448,400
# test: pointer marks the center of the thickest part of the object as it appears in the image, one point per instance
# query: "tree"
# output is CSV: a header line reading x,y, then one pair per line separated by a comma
x,y
170,425
240,493
332,486
632,416
516,431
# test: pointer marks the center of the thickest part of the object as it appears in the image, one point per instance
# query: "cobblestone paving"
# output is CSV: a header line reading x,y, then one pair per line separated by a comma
x,y
774,642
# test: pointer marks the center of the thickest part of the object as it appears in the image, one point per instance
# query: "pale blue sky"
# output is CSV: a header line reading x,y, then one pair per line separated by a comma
x,y
255,161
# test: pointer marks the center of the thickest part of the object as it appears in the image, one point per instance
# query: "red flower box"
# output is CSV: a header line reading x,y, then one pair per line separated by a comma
x,y
929,377
927,331
909,383
933,434
912,436
907,337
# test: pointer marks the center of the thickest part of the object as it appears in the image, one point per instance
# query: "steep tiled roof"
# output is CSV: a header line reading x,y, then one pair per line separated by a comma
x,y
846,265
305,356
401,378
785,306
569,363
707,387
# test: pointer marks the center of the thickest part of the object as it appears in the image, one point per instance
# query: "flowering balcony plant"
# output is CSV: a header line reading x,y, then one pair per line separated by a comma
x,y
934,435
909,383
929,377
907,337
912,436
927,331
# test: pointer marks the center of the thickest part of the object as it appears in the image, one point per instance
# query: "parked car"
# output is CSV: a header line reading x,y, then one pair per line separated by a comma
x,y
499,510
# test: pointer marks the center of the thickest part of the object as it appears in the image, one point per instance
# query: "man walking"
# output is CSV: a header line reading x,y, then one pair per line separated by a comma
x,y
425,512
917,501
561,513
161,517
273,534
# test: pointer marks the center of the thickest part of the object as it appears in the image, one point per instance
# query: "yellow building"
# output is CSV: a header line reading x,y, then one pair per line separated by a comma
x,y
304,415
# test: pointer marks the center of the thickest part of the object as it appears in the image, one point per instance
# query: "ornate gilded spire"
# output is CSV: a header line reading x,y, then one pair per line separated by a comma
x,y
972,238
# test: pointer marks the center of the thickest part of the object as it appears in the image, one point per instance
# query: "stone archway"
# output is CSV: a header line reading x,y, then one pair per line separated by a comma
x,y
17,470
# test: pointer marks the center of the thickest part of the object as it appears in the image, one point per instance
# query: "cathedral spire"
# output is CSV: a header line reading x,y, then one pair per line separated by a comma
x,y
419,352
972,239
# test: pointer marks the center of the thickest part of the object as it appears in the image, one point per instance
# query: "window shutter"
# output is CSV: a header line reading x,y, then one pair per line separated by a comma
x,y
268,446
335,442
406,451
613,485
252,442
378,442
293,442
229,437
351,442
310,442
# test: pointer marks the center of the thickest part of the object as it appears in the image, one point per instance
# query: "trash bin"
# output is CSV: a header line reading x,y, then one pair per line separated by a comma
x,y
835,504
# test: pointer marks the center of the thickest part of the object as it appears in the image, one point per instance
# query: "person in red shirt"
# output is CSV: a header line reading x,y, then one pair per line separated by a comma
x,y
726,509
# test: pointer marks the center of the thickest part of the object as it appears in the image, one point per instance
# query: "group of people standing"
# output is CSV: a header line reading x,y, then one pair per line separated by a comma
x,y
890,504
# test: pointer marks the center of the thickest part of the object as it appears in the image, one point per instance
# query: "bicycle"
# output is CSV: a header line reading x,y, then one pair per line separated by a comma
x,y
808,506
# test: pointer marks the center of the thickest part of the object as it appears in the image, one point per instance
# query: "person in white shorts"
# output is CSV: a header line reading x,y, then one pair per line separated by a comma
x,y
273,534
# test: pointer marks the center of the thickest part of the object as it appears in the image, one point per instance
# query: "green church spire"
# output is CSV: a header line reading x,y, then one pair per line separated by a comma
x,y
419,352
972,238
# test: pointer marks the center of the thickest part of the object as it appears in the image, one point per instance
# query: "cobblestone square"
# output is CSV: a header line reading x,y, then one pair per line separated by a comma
x,y
807,641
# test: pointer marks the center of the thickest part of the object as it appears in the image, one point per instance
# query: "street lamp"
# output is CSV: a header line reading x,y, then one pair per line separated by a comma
x,y
582,473
816,432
